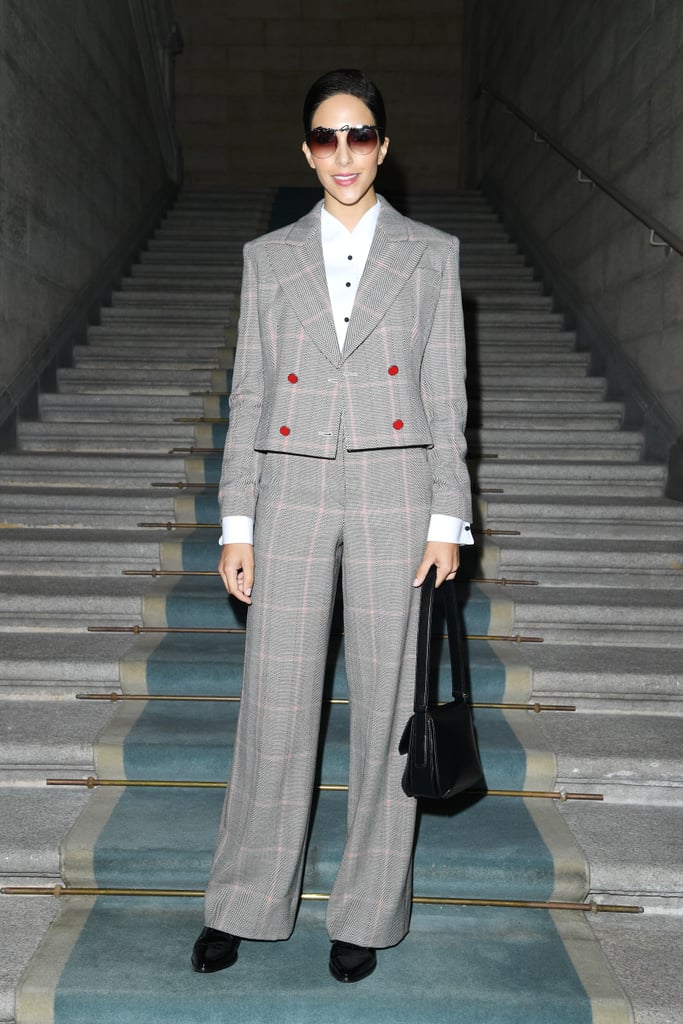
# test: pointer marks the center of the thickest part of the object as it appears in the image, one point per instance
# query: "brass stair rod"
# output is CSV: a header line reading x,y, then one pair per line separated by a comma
x,y
501,581
200,419
114,697
240,630
453,901
324,787
168,525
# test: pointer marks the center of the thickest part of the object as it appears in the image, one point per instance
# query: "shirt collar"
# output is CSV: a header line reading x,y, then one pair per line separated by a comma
x,y
332,230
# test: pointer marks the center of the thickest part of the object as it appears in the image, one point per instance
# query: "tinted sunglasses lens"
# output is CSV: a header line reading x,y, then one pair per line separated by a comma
x,y
322,142
362,140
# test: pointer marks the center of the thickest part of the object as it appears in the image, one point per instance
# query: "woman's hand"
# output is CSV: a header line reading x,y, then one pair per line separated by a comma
x,y
236,569
446,558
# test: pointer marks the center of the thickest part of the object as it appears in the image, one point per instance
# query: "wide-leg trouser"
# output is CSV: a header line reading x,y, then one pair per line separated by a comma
x,y
369,512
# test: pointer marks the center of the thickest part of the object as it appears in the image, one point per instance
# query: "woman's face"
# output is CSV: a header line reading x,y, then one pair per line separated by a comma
x,y
347,178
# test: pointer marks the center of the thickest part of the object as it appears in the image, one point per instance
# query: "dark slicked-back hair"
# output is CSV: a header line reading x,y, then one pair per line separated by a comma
x,y
352,83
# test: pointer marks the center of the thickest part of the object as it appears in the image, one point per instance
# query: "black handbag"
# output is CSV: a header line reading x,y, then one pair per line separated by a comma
x,y
443,757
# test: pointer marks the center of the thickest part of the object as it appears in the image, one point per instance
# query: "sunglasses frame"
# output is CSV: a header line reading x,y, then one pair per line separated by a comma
x,y
344,128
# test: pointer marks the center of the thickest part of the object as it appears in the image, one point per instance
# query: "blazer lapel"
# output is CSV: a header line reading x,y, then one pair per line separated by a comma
x,y
299,266
391,261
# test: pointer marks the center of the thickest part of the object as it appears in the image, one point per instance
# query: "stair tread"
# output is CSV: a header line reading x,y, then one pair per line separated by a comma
x,y
629,846
612,748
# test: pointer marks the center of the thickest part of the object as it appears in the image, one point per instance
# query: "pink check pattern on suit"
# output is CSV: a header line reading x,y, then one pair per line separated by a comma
x,y
340,457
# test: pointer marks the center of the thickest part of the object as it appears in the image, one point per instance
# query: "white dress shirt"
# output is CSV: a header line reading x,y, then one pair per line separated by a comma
x,y
345,253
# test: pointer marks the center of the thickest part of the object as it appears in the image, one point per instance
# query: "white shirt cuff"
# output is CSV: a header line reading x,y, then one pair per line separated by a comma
x,y
450,530
237,530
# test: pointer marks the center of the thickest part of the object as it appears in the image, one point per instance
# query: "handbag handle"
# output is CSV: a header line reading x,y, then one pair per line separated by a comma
x,y
424,639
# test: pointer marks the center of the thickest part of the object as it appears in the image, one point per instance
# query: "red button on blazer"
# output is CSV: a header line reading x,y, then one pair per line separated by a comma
x,y
285,431
398,424
392,371
292,378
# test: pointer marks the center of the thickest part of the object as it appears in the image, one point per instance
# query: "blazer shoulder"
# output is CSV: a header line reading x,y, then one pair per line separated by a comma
x,y
434,236
398,226
296,232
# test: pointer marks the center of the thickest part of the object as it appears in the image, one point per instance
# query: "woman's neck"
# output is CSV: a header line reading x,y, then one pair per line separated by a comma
x,y
350,215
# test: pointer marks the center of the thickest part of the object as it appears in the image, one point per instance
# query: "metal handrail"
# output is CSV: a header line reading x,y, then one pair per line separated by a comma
x,y
159,42
655,226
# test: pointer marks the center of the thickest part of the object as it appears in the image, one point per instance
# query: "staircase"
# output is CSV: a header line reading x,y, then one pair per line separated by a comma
x,y
579,521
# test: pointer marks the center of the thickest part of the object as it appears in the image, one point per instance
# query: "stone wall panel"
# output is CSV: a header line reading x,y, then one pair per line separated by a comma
x,y
78,159
607,80
413,52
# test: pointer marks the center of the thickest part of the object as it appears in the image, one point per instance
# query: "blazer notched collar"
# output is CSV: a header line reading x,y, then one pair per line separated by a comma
x,y
296,258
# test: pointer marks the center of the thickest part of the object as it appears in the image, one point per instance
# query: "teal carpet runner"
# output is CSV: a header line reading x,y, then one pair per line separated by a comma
x,y
125,959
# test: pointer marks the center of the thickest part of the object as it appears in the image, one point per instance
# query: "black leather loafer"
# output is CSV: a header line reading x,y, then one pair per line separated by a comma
x,y
351,963
214,951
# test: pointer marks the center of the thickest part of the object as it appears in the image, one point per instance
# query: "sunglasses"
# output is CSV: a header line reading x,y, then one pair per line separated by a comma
x,y
361,139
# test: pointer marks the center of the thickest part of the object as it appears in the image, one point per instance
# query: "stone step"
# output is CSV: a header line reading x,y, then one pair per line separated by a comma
x,y
104,437
588,478
502,300
501,340
621,756
606,677
195,274
41,738
24,925
476,286
189,286
644,952
484,379
629,847
184,379
545,422
194,334
538,358
508,436
618,519
95,509
504,256
493,346
151,356
79,552
59,665
102,408
165,245
582,560
54,603
187,313
76,470
34,820
181,342
601,615
165,300
236,226
546,451
576,409
576,391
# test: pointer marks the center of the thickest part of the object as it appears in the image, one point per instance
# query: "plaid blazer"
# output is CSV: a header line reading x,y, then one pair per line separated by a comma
x,y
398,382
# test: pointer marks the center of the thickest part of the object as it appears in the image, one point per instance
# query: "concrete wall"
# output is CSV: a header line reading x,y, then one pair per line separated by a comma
x,y
246,68
78,158
607,80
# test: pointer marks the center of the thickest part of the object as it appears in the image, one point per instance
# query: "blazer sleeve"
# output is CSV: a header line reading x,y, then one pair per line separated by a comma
x,y
442,383
238,487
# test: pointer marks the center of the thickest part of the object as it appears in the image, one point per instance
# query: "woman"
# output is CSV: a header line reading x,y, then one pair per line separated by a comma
x,y
345,447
